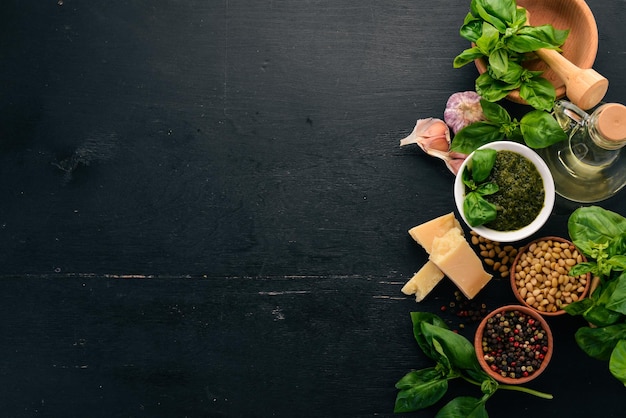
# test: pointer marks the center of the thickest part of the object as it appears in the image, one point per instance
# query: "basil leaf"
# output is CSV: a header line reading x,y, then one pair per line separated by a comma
x,y
495,21
417,318
442,357
600,316
420,389
520,18
593,224
514,75
540,129
494,112
579,307
477,210
489,39
454,347
421,395
617,299
582,268
532,38
417,377
586,247
617,362
463,406
475,135
499,63
605,292
491,89
466,176
617,262
467,56
472,28
549,34
600,342
482,163
539,93
617,246
487,189
499,13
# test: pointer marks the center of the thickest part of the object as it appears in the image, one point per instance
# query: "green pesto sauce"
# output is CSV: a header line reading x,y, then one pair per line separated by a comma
x,y
520,196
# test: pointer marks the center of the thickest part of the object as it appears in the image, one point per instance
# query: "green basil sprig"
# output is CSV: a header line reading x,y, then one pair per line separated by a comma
x,y
477,210
501,35
601,235
537,128
455,357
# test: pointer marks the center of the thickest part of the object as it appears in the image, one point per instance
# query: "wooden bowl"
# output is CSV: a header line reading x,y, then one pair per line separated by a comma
x,y
581,45
540,351
579,285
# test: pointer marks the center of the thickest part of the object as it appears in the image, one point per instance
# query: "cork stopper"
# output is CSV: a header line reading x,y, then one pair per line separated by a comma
x,y
611,122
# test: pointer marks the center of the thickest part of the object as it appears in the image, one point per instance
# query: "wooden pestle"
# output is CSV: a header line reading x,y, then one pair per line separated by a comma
x,y
583,87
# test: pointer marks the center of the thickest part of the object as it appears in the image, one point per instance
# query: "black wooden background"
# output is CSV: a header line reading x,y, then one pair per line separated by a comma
x,y
205,208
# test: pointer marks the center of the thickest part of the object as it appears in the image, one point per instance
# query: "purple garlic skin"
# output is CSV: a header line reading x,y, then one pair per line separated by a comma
x,y
462,109
433,137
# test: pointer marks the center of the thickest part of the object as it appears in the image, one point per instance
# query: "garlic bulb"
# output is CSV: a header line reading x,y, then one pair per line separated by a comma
x,y
433,137
462,109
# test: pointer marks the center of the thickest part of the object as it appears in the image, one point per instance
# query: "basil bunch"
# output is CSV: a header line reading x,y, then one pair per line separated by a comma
x,y
455,357
537,128
476,209
601,235
499,32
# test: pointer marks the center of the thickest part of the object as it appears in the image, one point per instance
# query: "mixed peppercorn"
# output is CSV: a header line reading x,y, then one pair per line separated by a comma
x,y
465,311
514,344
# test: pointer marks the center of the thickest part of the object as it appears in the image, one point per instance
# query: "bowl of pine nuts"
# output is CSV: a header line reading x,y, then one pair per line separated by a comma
x,y
540,275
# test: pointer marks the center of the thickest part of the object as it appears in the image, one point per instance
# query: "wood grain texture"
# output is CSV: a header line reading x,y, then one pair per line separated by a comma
x,y
205,207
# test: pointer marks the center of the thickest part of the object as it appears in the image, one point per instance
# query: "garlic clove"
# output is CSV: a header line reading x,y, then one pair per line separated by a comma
x,y
454,161
433,137
462,109
430,134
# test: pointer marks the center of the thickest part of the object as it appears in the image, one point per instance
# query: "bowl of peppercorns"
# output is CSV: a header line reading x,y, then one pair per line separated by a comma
x,y
541,279
513,344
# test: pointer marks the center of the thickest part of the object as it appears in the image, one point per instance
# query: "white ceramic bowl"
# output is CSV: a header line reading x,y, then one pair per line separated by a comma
x,y
548,187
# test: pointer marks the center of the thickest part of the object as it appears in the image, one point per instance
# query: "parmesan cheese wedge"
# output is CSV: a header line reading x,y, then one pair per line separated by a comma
x,y
425,233
425,280
456,259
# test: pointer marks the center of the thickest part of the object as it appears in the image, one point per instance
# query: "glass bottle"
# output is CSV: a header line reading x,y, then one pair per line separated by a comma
x,y
588,166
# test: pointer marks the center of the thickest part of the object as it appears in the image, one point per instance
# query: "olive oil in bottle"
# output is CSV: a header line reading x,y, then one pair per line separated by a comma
x,y
589,166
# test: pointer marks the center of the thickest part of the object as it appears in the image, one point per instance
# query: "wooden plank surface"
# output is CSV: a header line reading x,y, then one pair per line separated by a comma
x,y
205,208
